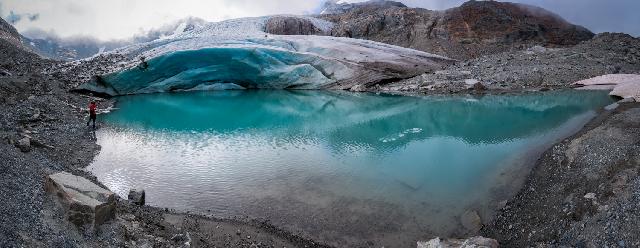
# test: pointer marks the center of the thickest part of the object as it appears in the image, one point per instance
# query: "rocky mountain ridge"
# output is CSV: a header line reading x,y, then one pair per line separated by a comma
x,y
341,7
474,29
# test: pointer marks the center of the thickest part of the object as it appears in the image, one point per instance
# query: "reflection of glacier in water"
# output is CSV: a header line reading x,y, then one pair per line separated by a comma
x,y
339,167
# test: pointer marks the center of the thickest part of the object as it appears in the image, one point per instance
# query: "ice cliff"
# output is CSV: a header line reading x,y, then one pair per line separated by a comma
x,y
238,54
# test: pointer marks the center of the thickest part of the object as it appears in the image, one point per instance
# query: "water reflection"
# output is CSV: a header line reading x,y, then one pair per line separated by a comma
x,y
341,167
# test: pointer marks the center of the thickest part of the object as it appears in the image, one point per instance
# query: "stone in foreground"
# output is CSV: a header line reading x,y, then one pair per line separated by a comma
x,y
474,242
24,144
84,202
136,196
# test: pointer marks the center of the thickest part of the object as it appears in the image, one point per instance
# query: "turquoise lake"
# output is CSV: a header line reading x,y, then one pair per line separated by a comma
x,y
344,168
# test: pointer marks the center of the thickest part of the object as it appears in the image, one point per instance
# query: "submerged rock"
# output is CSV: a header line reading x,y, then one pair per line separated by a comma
x,y
474,242
84,202
471,221
137,196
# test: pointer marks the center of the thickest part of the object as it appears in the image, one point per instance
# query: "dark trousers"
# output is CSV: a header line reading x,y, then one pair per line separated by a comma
x,y
92,117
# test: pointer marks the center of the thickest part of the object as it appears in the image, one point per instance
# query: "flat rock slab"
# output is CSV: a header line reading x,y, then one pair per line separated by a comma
x,y
84,202
621,85
474,242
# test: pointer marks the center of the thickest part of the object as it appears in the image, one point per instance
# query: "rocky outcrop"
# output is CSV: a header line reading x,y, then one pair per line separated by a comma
x,y
474,29
85,203
474,242
340,7
9,33
291,25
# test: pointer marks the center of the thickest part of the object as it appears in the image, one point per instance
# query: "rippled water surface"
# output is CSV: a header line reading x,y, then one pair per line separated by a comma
x,y
340,167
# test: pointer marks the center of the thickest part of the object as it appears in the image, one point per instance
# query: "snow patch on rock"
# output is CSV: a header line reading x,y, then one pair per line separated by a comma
x,y
621,85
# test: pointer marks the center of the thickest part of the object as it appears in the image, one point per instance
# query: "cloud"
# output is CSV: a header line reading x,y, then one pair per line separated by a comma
x,y
33,17
14,18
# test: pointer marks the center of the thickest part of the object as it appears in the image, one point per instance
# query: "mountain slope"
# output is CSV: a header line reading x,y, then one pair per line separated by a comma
x,y
474,29
9,33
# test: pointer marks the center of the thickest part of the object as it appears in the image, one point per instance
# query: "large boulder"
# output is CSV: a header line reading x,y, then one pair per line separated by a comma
x,y
474,242
137,196
24,144
85,203
291,25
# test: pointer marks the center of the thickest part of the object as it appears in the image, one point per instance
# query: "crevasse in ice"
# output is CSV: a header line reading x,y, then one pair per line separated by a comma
x,y
238,54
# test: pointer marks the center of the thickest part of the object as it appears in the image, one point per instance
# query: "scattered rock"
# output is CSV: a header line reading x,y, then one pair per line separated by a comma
x,y
24,144
84,202
137,196
474,242
5,73
479,87
471,81
358,88
471,221
590,196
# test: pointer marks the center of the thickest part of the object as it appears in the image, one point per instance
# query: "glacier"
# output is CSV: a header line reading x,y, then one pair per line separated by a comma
x,y
239,54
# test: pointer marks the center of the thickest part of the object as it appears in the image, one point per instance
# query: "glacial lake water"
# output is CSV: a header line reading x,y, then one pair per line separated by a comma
x,y
344,168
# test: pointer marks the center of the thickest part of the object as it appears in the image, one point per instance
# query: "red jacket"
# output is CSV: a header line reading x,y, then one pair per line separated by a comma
x,y
92,108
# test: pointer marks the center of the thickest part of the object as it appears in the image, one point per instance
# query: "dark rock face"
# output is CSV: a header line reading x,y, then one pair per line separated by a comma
x,y
474,29
333,7
9,33
290,25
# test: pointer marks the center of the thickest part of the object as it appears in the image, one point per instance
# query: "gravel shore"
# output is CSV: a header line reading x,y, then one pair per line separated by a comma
x,y
583,192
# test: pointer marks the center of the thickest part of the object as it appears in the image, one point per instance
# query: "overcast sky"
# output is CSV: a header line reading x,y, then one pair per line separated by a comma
x,y
118,19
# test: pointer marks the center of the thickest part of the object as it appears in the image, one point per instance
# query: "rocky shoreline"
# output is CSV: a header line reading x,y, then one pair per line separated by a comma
x,y
583,192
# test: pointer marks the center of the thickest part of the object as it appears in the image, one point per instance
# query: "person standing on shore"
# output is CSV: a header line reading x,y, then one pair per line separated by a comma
x,y
92,114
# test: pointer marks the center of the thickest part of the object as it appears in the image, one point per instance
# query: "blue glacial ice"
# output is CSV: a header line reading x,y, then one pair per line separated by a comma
x,y
238,54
